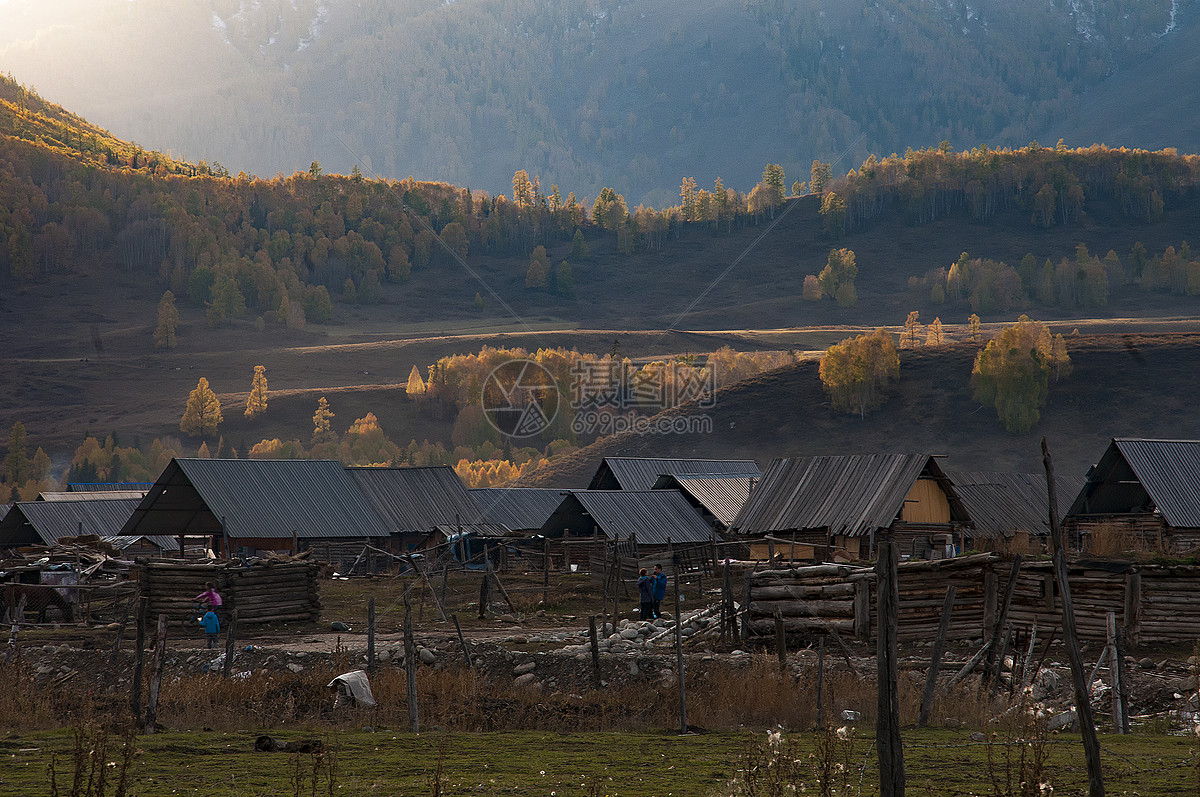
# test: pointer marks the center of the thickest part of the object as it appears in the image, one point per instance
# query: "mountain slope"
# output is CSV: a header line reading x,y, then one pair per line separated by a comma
x,y
584,93
1123,385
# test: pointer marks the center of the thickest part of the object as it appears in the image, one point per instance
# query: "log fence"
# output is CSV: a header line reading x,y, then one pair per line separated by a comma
x,y
1153,603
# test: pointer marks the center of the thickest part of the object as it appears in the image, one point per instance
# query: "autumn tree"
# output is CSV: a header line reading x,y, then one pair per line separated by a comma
x,y
856,372
974,327
256,404
833,212
819,177
934,335
812,289
416,385
609,210
203,412
168,322
840,271
912,327
322,422
1012,373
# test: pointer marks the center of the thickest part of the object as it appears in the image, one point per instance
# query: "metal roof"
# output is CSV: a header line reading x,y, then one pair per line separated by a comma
x,y
108,487
640,473
1143,475
256,498
93,495
722,496
47,521
418,500
847,495
518,508
1002,503
159,541
655,516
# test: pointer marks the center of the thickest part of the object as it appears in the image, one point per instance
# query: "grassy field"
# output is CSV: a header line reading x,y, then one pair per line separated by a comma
x,y
389,762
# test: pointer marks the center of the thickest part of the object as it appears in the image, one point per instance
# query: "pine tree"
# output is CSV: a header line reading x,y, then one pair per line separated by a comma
x,y
203,412
565,281
168,322
416,385
322,418
256,404
538,275
16,461
579,247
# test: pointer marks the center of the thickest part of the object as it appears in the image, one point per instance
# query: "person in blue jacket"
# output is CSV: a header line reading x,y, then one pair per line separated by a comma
x,y
660,590
646,594
212,627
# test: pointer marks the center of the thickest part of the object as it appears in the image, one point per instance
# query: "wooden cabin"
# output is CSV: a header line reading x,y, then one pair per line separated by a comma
x,y
841,505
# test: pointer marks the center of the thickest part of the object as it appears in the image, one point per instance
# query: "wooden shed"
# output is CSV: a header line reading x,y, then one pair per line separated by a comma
x,y
842,504
1141,492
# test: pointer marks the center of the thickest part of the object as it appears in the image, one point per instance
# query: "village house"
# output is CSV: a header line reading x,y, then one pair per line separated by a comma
x,y
1144,492
841,506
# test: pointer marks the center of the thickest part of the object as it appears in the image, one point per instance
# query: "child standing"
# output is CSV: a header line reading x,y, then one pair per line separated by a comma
x,y
212,627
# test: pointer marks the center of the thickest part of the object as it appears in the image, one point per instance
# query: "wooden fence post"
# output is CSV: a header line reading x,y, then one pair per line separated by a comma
x,y
160,653
821,683
862,609
462,640
887,723
780,641
546,573
1083,706
410,665
139,658
371,636
230,644
1116,669
935,661
995,657
683,726
595,642
1133,608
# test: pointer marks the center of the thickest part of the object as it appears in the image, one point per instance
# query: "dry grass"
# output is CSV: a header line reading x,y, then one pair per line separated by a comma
x,y
1117,539
721,694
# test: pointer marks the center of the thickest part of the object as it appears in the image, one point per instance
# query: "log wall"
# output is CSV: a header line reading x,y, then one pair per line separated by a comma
x,y
266,593
1155,603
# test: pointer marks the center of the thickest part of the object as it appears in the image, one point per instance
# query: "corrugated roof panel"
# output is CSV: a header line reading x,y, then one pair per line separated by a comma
x,y
90,496
257,498
1001,503
52,520
417,499
1169,470
518,508
722,496
640,473
848,495
655,516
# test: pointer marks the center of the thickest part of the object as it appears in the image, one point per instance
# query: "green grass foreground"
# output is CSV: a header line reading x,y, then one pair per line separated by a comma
x,y
634,764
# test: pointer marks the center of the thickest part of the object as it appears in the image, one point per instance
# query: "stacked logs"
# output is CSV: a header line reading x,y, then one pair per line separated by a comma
x,y
1154,603
824,598
270,592
814,599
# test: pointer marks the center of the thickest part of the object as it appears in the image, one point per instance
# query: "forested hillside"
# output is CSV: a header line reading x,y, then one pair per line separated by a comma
x,y
584,93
